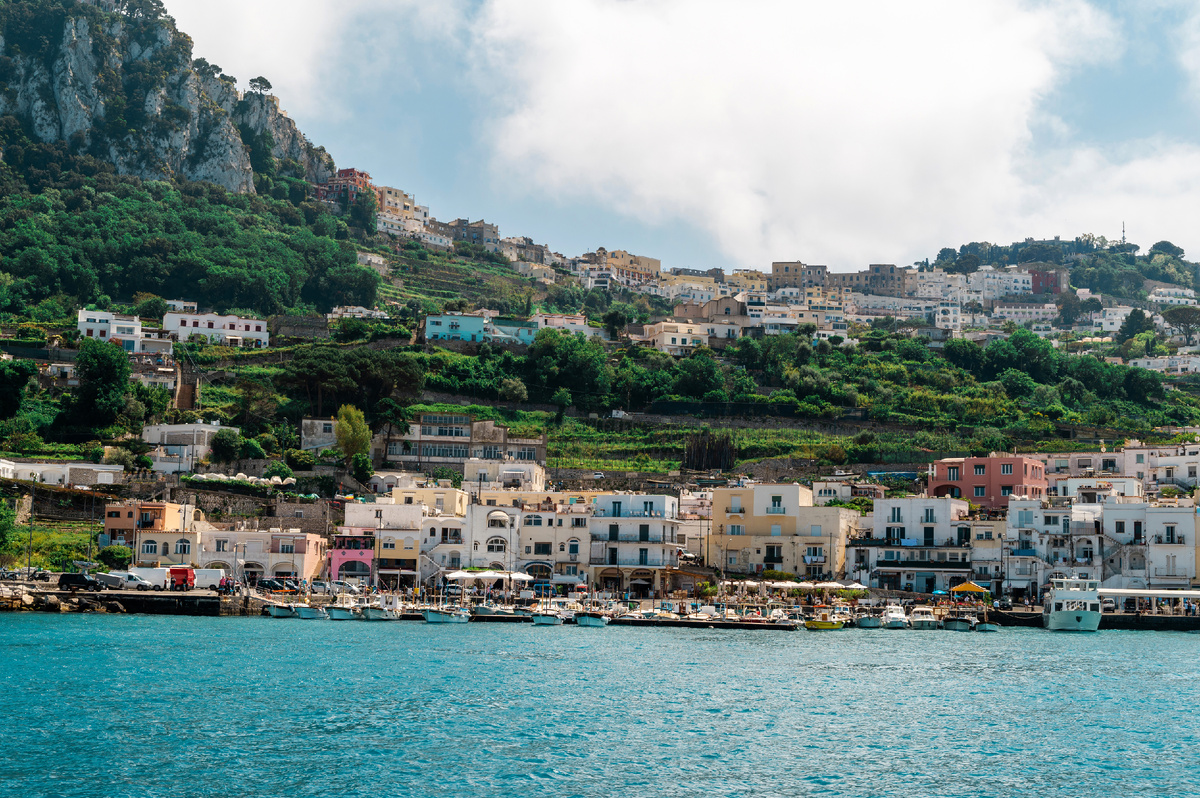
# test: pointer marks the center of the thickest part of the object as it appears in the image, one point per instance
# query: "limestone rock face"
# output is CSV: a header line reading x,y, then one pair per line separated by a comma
x,y
124,89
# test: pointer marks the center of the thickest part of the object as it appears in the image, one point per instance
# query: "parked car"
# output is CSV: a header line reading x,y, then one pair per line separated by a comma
x,y
269,585
338,586
1005,604
319,586
544,591
124,581
75,582
1108,605
598,475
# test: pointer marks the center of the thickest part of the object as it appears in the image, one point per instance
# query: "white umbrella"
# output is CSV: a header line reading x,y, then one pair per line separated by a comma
x,y
518,576
460,575
490,575
855,586
749,584
829,586
785,585
806,586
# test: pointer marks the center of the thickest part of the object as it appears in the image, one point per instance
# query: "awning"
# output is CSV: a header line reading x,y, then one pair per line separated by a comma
x,y
968,587
639,582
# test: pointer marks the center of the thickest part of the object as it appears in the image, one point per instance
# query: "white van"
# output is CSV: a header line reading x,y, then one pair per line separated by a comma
x,y
209,578
158,577
121,580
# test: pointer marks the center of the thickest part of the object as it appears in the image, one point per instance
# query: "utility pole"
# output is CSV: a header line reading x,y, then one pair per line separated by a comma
x,y
29,549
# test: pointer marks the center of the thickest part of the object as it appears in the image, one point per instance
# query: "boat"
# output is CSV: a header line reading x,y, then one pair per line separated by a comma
x,y
922,618
310,613
1072,605
844,614
281,611
867,620
959,621
495,609
546,618
894,617
343,608
824,621
445,614
378,612
590,618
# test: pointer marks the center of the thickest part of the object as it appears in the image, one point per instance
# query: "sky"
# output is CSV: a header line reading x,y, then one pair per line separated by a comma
x,y
718,134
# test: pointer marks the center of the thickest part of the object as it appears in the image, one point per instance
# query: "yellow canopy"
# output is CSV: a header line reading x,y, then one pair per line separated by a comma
x,y
968,587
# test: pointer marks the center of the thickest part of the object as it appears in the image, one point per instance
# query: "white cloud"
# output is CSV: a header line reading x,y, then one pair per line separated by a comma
x,y
841,133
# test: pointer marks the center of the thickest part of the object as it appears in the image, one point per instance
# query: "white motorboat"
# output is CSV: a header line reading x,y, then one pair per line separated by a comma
x,y
894,617
867,620
446,615
1072,605
591,618
547,618
495,609
281,611
310,613
922,618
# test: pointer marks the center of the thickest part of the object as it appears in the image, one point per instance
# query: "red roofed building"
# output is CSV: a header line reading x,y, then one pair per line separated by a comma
x,y
347,182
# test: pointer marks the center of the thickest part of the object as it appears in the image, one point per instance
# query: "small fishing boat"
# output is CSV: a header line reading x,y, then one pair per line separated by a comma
x,y
824,621
281,611
378,612
591,618
308,612
894,617
867,620
344,608
922,618
495,609
546,618
959,621
446,614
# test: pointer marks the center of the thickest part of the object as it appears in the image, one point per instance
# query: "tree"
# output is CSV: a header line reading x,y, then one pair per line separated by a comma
x,y
225,446
277,468
1136,322
561,398
103,372
1068,307
513,390
121,457
1166,248
260,85
362,213
1017,384
14,376
360,467
115,557
352,433
251,450
1185,318
619,314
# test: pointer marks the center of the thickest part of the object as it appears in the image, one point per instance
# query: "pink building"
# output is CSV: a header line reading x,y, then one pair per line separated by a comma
x,y
352,554
988,481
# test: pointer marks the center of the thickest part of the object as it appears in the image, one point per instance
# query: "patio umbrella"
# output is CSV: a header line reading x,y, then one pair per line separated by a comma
x,y
519,576
968,587
856,586
460,575
829,586
806,586
785,585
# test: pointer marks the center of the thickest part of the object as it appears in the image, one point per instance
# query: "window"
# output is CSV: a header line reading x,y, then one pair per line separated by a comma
x,y
1006,490
183,546
1119,527
1006,468
776,530
150,547
643,556
980,470
929,516
533,520
952,473
573,547
391,544
1141,458
980,491
496,545
542,549
222,545
327,429
737,529
895,515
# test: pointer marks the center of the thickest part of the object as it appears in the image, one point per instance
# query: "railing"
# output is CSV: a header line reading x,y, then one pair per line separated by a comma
x,y
735,510
1170,573
630,514
601,537
626,562
776,510
773,559
1176,541
1023,553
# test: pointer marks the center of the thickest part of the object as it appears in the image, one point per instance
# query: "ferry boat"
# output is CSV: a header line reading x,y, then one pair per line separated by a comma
x,y
1072,605
310,613
445,615
894,618
922,618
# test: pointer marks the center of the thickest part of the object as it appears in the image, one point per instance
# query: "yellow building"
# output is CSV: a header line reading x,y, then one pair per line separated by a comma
x,y
776,528
747,280
633,269
446,501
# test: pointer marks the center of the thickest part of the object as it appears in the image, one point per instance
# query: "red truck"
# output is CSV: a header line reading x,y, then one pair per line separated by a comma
x,y
183,578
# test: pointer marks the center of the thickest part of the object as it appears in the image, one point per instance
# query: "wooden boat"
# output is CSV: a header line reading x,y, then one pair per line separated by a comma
x,y
824,621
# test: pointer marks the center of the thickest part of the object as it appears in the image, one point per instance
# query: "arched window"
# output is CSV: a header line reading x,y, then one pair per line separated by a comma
x,y
574,546
183,546
562,547
496,545
150,547
533,520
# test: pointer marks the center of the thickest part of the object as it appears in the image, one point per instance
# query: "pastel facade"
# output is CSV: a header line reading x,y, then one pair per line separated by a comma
x,y
988,481
218,329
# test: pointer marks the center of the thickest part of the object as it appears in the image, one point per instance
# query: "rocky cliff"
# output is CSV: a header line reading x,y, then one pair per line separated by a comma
x,y
123,87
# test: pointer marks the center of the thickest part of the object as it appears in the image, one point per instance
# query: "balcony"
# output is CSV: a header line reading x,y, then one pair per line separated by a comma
x,y
630,514
776,559
735,511
1178,540
1023,553
600,537
776,510
1170,573
632,562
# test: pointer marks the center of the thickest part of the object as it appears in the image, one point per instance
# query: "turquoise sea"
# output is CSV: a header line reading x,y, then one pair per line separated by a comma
x,y
98,705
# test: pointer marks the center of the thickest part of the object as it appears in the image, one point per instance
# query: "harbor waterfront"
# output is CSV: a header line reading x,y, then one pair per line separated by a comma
x,y
187,706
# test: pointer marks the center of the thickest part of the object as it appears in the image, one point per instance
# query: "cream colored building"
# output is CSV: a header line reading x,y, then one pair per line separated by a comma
x,y
258,553
764,527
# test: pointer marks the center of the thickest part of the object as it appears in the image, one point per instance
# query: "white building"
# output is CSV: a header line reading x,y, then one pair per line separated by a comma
x,y
633,543
125,331
1173,295
223,330
177,447
63,473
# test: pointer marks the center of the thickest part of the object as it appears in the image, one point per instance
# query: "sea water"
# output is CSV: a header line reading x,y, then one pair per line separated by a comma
x,y
97,705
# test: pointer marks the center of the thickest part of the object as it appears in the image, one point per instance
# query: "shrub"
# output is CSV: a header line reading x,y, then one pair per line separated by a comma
x,y
361,469
278,468
121,457
251,450
226,445
115,557
299,460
